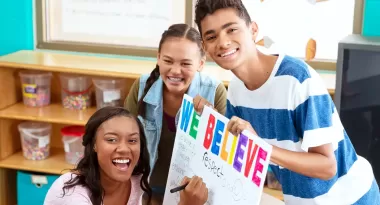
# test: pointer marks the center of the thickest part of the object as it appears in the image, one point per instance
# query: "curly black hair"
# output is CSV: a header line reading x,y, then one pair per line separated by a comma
x,y
87,170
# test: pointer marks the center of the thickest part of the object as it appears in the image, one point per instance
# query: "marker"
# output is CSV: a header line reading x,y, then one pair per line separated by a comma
x,y
182,187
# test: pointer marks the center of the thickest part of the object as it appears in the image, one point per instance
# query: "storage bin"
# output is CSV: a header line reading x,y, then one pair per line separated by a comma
x,y
272,182
35,88
33,187
35,139
72,137
75,91
108,92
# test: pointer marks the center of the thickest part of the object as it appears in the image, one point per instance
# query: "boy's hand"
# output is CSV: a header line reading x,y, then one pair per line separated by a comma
x,y
199,103
195,193
237,125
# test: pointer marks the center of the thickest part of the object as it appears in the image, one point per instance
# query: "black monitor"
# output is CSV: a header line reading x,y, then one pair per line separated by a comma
x,y
357,95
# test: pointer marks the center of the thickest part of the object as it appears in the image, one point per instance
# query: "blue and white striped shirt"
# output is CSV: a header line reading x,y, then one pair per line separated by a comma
x,y
293,110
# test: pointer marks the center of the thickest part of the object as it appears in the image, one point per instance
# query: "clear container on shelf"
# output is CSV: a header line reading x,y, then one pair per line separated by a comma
x,y
272,181
108,92
75,91
72,137
35,87
35,139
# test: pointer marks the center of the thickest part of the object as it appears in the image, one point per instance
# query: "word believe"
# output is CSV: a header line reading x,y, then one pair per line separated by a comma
x,y
216,138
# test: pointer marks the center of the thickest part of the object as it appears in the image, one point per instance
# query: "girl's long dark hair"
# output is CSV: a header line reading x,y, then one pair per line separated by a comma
x,y
175,30
88,171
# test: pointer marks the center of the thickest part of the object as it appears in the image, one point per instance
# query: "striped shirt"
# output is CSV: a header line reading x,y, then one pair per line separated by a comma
x,y
293,110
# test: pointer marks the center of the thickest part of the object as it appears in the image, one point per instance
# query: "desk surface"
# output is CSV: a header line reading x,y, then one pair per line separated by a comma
x,y
107,66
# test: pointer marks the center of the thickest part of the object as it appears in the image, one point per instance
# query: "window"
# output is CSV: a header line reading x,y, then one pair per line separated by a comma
x,y
308,29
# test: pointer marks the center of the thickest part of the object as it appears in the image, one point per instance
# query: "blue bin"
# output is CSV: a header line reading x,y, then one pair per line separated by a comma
x,y
33,187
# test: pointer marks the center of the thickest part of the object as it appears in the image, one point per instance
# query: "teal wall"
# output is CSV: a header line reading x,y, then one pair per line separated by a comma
x,y
371,18
16,26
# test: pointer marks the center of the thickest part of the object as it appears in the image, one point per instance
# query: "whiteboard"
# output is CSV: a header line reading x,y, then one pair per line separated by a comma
x,y
233,167
137,23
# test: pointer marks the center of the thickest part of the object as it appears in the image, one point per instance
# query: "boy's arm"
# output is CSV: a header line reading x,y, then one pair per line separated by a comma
x,y
317,120
319,162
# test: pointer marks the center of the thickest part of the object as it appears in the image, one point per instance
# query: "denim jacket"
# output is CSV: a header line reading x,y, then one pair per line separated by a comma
x,y
201,84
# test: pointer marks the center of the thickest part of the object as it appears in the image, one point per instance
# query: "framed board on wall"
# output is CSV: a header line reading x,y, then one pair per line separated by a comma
x,y
108,25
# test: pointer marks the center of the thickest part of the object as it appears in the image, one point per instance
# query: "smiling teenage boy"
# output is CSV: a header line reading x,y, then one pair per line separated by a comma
x,y
283,100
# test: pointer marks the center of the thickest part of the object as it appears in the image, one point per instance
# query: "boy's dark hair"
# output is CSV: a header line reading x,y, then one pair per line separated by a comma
x,y
206,7
180,30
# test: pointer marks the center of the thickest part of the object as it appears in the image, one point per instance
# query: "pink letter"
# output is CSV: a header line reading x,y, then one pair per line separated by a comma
x,y
262,154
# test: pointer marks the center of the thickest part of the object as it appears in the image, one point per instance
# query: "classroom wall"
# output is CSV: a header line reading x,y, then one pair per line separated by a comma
x,y
371,16
17,26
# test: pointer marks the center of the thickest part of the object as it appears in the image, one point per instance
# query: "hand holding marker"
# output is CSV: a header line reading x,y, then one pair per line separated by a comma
x,y
194,191
179,188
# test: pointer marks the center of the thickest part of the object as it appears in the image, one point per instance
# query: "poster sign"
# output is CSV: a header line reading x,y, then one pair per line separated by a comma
x,y
233,167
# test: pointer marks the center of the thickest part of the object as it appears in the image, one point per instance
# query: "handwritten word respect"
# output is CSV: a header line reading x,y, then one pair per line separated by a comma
x,y
211,165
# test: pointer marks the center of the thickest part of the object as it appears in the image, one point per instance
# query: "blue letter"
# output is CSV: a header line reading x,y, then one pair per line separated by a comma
x,y
187,109
217,137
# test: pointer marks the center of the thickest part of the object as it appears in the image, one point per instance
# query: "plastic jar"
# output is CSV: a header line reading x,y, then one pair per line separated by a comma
x,y
35,139
108,92
272,182
75,91
35,88
72,137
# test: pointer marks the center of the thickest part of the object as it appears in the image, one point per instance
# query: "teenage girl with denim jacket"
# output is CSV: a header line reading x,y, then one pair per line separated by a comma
x,y
156,98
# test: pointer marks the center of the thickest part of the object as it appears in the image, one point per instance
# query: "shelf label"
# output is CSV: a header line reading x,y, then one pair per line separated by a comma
x,y
43,142
66,147
39,179
111,95
29,90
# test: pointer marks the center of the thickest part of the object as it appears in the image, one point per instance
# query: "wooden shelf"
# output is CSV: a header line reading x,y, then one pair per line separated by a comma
x,y
55,164
92,65
54,113
112,67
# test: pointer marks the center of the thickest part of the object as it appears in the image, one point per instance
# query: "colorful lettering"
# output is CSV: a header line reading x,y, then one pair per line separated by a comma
x,y
262,154
209,129
244,154
224,153
250,157
233,149
240,152
187,109
194,125
217,137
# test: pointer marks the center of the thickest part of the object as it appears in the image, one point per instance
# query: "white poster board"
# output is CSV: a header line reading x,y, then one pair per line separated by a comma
x,y
233,168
